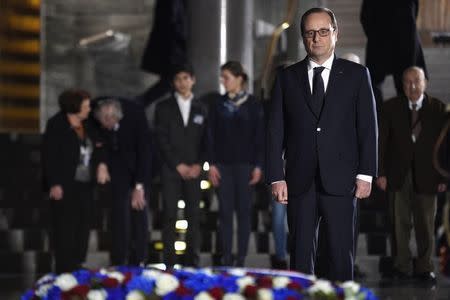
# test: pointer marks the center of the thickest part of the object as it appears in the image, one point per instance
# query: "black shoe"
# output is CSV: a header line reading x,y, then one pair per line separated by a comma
x,y
400,276
428,278
278,264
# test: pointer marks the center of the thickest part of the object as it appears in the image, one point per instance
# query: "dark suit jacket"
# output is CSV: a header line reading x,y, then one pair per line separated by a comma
x,y
236,138
131,160
397,151
342,141
177,143
61,151
393,43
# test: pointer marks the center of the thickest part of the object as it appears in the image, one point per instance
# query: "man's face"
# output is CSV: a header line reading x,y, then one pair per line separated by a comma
x,y
183,83
319,48
107,117
414,84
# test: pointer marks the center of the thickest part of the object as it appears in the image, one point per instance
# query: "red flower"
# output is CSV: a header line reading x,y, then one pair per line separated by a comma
x,y
250,291
182,290
216,292
80,290
127,277
294,286
110,283
265,282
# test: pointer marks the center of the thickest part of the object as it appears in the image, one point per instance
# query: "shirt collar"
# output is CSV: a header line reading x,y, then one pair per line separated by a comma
x,y
180,98
327,64
418,102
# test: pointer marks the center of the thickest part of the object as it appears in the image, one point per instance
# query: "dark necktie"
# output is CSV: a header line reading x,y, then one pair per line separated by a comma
x,y
416,126
318,91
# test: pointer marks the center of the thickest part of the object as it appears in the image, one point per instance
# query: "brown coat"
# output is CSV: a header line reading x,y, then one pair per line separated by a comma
x,y
397,151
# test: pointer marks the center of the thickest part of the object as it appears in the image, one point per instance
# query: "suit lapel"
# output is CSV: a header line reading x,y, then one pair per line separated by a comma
x,y
302,74
177,112
333,81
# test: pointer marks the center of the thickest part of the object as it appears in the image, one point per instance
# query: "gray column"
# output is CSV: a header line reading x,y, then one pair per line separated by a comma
x,y
204,43
220,30
239,34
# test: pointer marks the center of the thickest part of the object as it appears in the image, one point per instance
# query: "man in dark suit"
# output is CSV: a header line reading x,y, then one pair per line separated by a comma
x,y
322,117
393,43
126,142
180,123
409,128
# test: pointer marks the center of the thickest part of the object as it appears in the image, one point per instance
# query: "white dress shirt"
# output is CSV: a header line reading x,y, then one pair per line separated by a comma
x,y
184,104
418,102
326,76
325,73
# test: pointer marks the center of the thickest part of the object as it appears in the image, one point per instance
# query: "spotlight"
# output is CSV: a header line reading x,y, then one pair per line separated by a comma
x,y
181,225
158,246
180,246
206,166
204,184
181,204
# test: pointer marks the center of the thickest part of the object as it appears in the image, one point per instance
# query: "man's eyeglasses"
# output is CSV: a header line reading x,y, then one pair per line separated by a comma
x,y
311,33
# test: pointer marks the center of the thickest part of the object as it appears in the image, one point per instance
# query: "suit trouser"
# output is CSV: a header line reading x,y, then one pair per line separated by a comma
x,y
338,215
71,224
175,188
129,227
234,193
321,267
418,211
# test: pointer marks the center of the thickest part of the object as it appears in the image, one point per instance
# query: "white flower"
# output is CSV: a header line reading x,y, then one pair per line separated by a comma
x,y
207,271
45,279
116,275
152,274
239,272
233,296
66,282
97,295
351,288
280,282
42,291
103,271
189,269
264,294
135,295
244,281
322,286
166,283
203,296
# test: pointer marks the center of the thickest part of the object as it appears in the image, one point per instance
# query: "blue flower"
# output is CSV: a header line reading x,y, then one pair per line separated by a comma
x,y
132,269
200,282
228,284
82,276
281,294
28,295
53,294
115,294
141,283
170,296
368,294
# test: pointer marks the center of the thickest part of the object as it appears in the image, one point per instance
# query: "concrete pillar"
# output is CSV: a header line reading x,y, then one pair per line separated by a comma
x,y
220,30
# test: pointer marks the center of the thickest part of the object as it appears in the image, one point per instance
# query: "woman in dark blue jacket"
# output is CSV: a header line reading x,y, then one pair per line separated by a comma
x,y
236,157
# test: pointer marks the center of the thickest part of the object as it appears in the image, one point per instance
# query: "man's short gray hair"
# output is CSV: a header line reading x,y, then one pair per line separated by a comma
x,y
115,112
